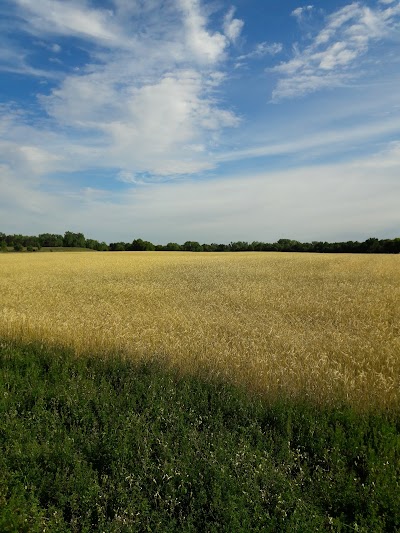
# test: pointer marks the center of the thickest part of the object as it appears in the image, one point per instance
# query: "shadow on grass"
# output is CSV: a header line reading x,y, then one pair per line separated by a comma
x,y
94,444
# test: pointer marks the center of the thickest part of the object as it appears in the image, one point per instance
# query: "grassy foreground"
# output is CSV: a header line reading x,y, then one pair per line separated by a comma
x,y
106,444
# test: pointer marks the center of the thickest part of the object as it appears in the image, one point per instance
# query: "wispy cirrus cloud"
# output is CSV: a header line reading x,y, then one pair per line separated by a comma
x,y
332,58
16,60
71,18
261,50
325,142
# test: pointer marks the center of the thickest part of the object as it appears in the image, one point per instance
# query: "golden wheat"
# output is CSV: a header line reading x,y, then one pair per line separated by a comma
x,y
323,326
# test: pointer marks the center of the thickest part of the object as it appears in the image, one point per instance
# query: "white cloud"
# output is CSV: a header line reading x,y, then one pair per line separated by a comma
x,y
38,160
386,159
146,102
328,141
299,12
232,26
21,201
128,177
332,58
70,18
207,47
353,200
263,49
156,127
337,55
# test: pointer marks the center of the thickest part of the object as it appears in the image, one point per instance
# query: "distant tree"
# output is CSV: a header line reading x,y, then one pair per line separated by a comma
x,y
219,247
390,246
396,246
192,246
118,246
32,242
139,245
317,246
70,239
50,240
91,244
11,240
257,246
173,247
370,246
74,240
286,245
239,246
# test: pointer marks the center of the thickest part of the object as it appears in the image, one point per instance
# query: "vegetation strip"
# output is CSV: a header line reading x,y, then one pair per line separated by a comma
x,y
99,443
75,241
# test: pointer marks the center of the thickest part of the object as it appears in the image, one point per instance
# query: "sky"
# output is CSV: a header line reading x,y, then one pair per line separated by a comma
x,y
175,120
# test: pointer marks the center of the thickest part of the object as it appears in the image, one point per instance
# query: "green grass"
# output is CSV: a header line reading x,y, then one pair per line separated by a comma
x,y
93,444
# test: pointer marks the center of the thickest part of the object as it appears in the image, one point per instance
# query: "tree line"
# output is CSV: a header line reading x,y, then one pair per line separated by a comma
x,y
78,240
49,240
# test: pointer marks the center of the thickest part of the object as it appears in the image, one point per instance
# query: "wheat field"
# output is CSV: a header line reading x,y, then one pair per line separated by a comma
x,y
324,327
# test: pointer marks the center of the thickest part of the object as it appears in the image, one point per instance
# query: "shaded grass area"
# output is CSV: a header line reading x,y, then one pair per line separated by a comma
x,y
103,444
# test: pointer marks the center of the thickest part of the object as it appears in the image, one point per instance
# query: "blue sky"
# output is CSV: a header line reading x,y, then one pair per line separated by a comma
x,y
205,120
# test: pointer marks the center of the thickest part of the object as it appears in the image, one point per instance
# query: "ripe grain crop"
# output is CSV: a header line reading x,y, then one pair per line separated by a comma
x,y
321,327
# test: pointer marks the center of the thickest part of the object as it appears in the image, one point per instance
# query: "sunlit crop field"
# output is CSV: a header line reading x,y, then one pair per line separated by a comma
x,y
322,326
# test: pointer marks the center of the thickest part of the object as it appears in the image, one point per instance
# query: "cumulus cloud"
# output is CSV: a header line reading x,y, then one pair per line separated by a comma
x,y
335,52
146,102
156,127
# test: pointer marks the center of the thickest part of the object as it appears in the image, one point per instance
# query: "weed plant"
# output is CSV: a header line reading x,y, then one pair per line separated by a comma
x,y
106,444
